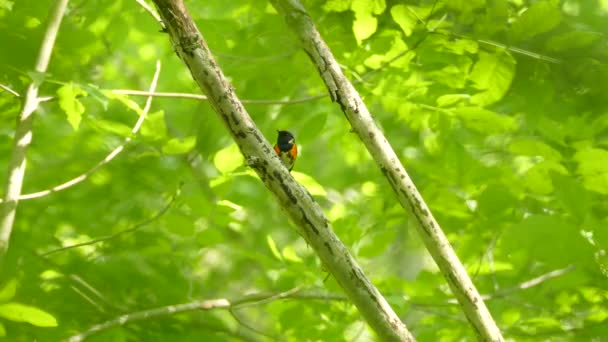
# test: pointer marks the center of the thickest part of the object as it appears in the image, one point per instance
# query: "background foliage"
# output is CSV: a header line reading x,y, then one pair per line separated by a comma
x,y
498,109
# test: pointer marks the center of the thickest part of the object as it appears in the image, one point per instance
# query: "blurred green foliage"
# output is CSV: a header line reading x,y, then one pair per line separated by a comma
x,y
497,108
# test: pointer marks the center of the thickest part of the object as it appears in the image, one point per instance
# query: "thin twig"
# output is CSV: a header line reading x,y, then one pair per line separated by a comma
x,y
280,295
530,283
77,280
245,324
221,303
504,292
8,89
23,131
150,10
139,225
110,155
204,98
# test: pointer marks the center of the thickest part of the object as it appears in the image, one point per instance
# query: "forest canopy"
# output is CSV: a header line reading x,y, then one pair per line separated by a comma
x,y
137,209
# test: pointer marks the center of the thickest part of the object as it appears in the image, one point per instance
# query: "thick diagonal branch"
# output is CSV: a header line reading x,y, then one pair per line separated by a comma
x,y
343,92
294,199
23,132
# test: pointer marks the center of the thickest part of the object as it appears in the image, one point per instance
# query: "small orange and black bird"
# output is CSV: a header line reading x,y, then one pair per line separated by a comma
x,y
286,148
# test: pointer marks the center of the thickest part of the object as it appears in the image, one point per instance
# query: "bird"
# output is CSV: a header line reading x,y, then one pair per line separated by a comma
x,y
286,148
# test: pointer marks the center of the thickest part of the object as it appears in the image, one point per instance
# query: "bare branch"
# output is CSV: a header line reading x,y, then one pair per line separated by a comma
x,y
169,310
110,155
8,89
293,197
530,283
507,291
152,313
343,92
204,98
117,234
23,131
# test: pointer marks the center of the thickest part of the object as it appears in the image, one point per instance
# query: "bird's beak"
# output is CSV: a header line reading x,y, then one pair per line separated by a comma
x,y
292,141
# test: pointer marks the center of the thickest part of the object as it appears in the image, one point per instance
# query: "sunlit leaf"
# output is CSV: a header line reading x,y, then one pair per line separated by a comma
x,y
7,5
405,18
290,254
179,146
228,159
593,166
313,187
7,292
154,127
493,74
485,121
273,247
364,26
71,105
541,17
112,127
18,312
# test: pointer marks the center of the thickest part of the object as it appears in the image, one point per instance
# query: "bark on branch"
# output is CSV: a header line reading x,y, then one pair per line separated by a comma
x,y
294,199
343,92
23,132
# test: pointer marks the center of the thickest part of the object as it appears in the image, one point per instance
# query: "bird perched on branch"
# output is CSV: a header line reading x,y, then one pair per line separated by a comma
x,y
286,148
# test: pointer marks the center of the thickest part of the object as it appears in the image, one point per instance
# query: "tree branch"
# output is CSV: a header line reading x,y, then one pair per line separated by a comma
x,y
344,93
8,89
293,198
204,98
110,155
23,131
160,213
221,303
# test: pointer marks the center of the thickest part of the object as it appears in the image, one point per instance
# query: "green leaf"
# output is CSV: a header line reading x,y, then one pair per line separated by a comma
x,y
124,99
495,200
313,187
485,121
593,166
511,316
543,323
572,196
228,159
376,242
461,46
337,5
7,5
538,178
529,238
493,74
154,127
290,255
273,247
112,127
364,26
405,18
310,127
465,5
368,6
68,101
451,99
527,147
568,41
365,23
8,291
18,312
179,146
539,18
